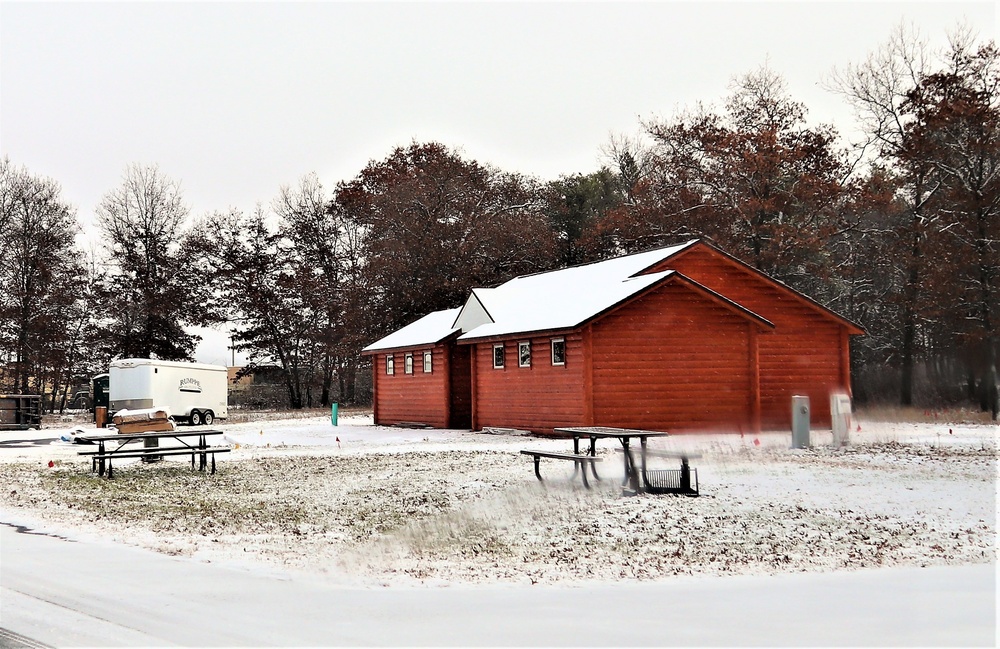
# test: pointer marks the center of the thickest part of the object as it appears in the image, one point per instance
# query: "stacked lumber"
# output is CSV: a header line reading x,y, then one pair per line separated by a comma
x,y
147,420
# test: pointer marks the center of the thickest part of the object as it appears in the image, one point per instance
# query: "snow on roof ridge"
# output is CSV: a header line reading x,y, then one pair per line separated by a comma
x,y
674,249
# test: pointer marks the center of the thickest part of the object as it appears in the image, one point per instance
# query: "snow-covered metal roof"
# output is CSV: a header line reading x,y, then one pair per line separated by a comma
x,y
428,330
544,304
566,298
559,299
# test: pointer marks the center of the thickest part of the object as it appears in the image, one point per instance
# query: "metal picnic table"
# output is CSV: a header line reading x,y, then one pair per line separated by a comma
x,y
103,456
638,478
633,479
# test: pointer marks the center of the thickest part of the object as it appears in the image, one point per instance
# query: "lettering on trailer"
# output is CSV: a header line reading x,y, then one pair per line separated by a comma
x,y
190,385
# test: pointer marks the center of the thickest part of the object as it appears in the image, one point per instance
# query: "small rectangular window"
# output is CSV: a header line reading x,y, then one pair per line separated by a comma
x,y
524,354
390,364
558,351
408,364
428,359
498,356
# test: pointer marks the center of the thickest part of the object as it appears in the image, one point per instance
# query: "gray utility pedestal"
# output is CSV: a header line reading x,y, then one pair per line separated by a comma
x,y
800,422
840,418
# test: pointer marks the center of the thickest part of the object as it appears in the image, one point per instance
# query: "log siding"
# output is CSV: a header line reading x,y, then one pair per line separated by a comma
x,y
805,353
418,397
674,361
537,398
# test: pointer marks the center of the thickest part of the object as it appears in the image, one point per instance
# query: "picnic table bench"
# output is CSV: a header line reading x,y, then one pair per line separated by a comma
x,y
102,458
579,460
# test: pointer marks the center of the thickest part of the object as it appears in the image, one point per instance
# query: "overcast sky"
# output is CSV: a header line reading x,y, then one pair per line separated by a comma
x,y
234,100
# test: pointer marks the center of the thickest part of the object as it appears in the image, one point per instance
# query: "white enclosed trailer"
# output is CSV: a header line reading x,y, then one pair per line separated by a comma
x,y
193,392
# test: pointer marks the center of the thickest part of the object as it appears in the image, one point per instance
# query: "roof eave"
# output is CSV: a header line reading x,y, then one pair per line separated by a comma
x,y
371,351
552,331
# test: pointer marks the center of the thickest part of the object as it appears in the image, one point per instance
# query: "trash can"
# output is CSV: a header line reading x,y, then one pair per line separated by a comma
x,y
333,414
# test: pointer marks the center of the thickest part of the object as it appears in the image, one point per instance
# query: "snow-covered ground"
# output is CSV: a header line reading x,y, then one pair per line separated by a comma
x,y
99,594
358,504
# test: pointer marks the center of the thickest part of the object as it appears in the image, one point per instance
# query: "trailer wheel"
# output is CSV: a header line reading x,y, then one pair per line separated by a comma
x,y
208,417
196,418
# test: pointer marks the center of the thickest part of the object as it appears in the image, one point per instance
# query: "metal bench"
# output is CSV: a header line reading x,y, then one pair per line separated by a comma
x,y
580,460
671,481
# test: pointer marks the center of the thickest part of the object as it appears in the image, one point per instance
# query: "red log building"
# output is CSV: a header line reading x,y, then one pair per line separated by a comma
x,y
685,338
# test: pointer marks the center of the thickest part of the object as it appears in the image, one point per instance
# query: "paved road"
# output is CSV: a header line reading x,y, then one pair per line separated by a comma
x,y
66,593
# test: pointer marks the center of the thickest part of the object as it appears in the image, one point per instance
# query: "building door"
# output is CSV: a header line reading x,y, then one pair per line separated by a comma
x,y
460,369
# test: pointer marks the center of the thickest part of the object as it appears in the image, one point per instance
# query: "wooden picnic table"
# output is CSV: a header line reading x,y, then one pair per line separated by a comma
x,y
634,476
101,458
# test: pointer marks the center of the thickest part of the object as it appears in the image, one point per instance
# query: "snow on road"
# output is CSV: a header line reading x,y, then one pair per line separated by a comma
x,y
98,594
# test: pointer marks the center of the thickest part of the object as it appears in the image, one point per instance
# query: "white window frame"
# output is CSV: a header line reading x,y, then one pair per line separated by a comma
x,y
428,361
390,364
503,356
408,363
553,347
521,347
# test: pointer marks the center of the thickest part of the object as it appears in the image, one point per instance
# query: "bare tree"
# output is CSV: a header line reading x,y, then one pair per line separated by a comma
x,y
930,122
153,289
877,89
752,177
317,257
38,272
633,159
253,268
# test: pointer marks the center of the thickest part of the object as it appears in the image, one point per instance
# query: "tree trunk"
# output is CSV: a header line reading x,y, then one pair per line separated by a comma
x,y
986,277
910,293
906,378
294,395
325,399
349,379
